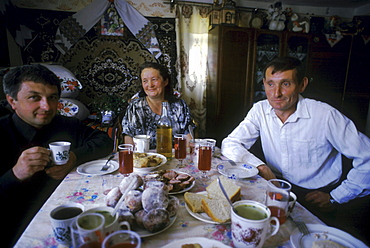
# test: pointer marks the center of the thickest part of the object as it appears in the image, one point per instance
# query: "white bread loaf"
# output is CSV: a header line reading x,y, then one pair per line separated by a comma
x,y
194,201
214,203
217,209
232,190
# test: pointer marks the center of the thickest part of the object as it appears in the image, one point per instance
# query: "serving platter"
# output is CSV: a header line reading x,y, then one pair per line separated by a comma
x,y
148,169
321,232
92,168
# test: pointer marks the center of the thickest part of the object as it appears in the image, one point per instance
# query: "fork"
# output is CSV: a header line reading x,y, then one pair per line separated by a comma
x,y
302,227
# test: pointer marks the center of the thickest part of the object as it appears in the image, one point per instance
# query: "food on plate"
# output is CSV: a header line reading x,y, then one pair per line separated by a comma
x,y
194,201
133,200
153,198
176,181
173,205
112,198
232,190
133,181
142,160
156,219
326,244
191,246
214,203
217,209
149,209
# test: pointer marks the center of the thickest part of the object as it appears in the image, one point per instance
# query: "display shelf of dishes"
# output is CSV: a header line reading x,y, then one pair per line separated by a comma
x,y
173,207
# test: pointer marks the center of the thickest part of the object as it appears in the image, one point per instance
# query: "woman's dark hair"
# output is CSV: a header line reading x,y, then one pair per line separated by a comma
x,y
35,73
163,71
282,64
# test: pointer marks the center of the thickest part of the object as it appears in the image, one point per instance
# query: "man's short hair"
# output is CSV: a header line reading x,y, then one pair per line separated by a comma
x,y
282,64
35,73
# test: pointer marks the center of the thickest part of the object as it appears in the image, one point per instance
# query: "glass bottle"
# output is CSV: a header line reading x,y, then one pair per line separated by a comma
x,y
164,133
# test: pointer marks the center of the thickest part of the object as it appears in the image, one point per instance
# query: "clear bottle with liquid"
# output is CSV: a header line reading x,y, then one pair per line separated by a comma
x,y
164,133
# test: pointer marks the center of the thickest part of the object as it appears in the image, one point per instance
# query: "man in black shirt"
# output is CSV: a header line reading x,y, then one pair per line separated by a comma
x,y
26,177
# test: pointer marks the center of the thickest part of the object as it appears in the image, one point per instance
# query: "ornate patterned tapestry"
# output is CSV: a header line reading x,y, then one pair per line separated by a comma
x,y
103,64
107,66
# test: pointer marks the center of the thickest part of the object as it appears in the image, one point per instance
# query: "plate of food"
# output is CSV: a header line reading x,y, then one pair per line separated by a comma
x,y
200,215
196,242
177,181
143,233
92,168
323,236
145,162
239,170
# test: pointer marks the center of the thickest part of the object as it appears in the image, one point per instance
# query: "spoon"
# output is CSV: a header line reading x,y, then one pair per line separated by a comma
x,y
225,194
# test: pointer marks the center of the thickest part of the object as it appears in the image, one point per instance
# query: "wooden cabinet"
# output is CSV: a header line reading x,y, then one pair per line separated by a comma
x,y
228,87
236,59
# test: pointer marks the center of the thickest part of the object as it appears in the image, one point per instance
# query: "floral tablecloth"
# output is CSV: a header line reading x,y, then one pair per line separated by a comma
x,y
88,190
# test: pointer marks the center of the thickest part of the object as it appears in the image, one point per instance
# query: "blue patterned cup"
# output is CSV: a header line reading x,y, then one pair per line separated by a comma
x,y
60,152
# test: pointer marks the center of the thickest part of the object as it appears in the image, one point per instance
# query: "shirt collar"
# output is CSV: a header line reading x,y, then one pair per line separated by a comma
x,y
27,131
301,111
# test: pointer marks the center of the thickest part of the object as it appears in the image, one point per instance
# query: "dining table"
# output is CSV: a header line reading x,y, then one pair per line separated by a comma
x,y
90,190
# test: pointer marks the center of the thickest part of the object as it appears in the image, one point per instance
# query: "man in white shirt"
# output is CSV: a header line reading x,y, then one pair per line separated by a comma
x,y
303,141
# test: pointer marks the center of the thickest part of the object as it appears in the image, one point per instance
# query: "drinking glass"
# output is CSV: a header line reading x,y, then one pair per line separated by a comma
x,y
205,158
126,159
277,198
180,148
122,238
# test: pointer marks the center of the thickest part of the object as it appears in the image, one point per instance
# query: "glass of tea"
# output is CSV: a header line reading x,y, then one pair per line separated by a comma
x,y
126,159
122,239
277,198
204,158
180,148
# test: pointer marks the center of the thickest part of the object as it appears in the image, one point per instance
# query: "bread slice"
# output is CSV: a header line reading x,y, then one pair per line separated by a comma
x,y
194,201
217,209
326,244
233,191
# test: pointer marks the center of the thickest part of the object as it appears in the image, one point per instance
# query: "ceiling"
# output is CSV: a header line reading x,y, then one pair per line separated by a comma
x,y
323,3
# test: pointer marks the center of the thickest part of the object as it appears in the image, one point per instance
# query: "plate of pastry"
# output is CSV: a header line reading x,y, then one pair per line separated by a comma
x,y
143,233
146,162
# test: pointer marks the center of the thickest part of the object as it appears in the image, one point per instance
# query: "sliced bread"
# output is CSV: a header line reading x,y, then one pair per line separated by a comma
x,y
217,209
232,190
194,201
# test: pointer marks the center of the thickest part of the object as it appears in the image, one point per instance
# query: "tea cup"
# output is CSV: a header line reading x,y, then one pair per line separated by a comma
x,y
141,143
111,223
62,218
252,224
60,152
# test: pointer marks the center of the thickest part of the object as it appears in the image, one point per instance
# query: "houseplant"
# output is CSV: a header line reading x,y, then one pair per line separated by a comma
x,y
108,108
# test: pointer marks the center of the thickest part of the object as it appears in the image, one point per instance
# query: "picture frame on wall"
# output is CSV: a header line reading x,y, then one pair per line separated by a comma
x,y
111,23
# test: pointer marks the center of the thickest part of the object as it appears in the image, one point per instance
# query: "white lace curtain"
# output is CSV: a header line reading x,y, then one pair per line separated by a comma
x,y
192,44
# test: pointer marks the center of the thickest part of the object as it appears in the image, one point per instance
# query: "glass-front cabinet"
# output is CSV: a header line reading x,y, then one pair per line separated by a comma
x,y
272,44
